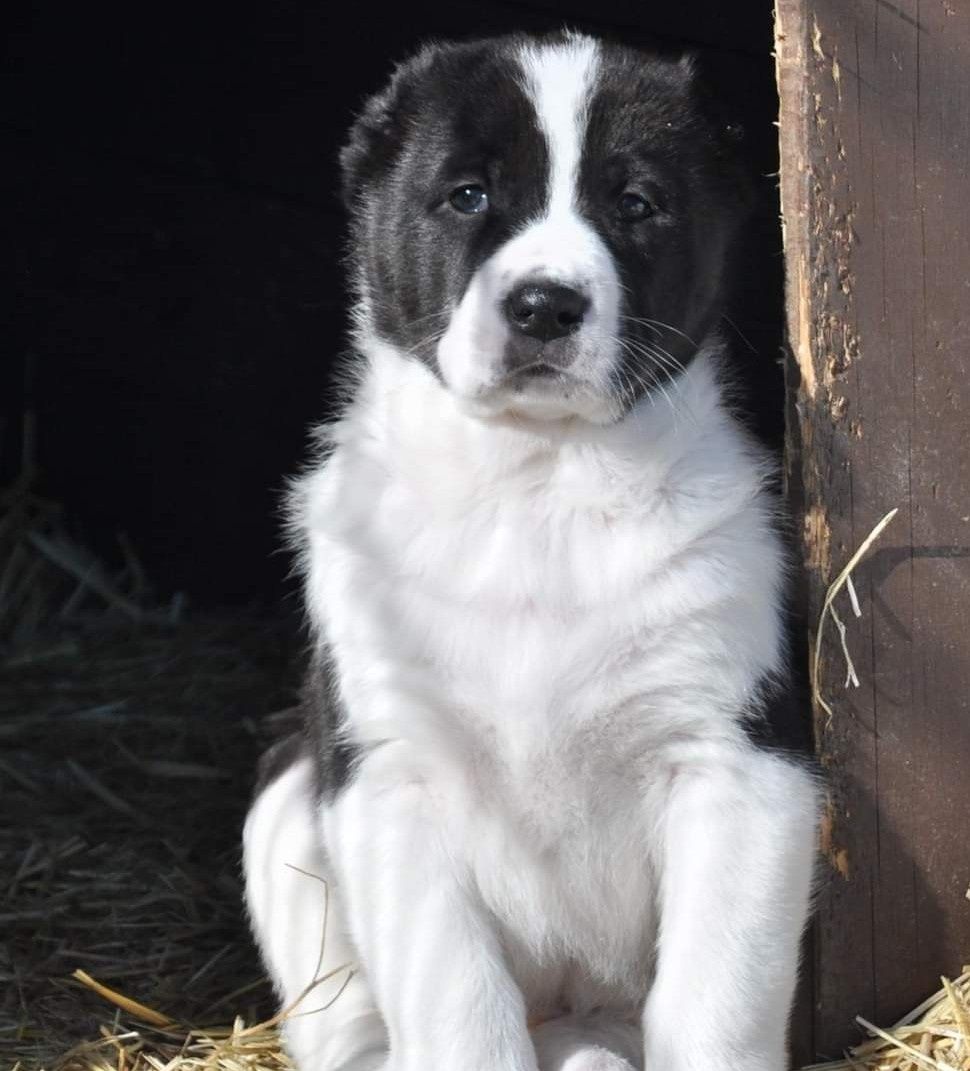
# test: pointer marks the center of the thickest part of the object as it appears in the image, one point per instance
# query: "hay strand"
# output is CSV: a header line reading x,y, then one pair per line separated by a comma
x,y
181,1048
828,610
133,1007
935,1035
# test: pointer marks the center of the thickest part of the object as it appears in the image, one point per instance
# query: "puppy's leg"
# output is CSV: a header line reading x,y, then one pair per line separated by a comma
x,y
286,907
588,1043
425,938
737,863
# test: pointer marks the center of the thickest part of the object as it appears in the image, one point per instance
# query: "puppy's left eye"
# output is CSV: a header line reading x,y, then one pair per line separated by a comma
x,y
631,207
469,199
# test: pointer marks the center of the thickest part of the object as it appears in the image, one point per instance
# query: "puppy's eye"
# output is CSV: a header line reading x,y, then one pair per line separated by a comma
x,y
469,199
631,207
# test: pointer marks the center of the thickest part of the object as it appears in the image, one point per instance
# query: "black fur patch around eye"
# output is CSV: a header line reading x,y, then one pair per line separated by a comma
x,y
455,114
648,131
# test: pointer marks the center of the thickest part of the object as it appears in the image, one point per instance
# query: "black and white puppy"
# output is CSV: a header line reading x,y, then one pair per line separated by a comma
x,y
545,586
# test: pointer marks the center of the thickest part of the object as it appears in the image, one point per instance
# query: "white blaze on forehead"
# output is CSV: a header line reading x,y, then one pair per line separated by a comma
x,y
558,246
559,79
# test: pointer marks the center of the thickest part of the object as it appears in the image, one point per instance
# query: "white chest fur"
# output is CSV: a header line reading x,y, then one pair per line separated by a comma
x,y
552,619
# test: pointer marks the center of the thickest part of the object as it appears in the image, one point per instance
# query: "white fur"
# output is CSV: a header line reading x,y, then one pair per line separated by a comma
x,y
302,935
560,80
546,645
545,633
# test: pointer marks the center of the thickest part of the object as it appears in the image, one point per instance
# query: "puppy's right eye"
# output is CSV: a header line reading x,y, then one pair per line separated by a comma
x,y
632,208
470,199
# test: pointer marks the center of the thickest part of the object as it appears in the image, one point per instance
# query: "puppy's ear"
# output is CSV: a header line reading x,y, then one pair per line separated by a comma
x,y
719,86
700,74
378,134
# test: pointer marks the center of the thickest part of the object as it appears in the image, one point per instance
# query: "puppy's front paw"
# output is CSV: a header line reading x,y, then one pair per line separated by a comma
x,y
595,1059
374,1060
591,1043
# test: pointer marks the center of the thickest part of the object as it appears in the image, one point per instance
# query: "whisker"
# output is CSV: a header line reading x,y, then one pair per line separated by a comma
x,y
627,384
646,385
428,340
663,356
657,353
741,335
660,324
629,394
634,397
438,314
662,366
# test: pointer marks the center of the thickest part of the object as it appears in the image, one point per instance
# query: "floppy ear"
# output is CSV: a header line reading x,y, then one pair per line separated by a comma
x,y
701,74
719,85
378,134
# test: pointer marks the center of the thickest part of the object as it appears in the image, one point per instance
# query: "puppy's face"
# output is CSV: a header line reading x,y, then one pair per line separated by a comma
x,y
543,223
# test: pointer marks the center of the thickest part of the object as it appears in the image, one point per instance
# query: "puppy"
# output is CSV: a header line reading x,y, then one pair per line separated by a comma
x,y
545,587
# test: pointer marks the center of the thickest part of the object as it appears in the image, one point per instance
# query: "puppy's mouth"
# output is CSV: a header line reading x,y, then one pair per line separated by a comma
x,y
539,370
541,379
542,391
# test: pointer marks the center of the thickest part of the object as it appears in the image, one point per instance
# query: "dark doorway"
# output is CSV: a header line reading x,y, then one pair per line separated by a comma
x,y
178,250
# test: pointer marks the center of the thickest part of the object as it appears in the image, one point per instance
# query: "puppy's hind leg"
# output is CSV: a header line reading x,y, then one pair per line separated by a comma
x,y
284,863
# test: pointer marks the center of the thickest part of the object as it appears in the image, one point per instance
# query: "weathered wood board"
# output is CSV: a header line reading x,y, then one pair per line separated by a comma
x,y
875,176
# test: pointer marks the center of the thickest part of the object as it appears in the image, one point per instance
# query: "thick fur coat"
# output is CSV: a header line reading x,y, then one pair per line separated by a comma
x,y
546,587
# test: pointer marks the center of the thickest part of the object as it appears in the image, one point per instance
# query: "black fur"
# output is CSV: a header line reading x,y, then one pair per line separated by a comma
x,y
777,718
333,756
453,114
277,759
651,131
316,733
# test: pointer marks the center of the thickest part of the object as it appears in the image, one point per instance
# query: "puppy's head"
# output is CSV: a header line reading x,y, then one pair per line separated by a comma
x,y
544,223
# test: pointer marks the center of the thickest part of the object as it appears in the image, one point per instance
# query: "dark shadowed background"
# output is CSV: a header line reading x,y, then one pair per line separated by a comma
x,y
179,300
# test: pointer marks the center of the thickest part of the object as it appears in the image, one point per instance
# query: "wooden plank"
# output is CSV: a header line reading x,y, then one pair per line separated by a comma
x,y
875,139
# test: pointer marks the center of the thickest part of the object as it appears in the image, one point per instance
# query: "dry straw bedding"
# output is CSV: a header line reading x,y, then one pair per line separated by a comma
x,y
128,738
127,751
935,1036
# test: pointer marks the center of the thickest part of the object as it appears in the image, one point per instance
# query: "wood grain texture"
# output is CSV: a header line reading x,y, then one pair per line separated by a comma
x,y
875,147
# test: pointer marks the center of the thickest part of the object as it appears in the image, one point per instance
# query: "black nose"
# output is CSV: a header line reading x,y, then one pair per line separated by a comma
x,y
545,311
